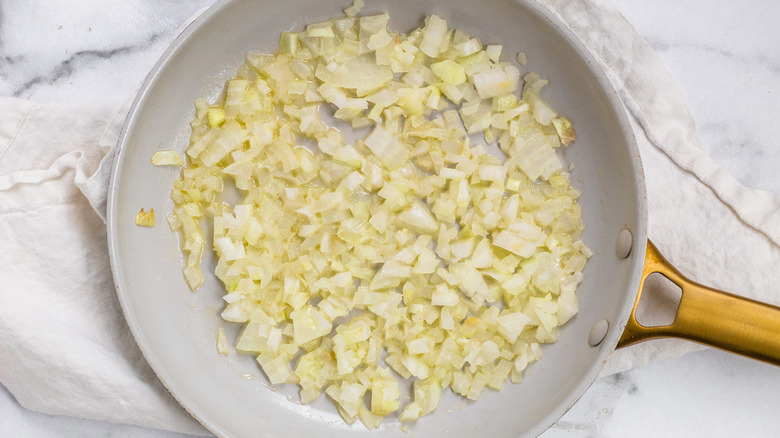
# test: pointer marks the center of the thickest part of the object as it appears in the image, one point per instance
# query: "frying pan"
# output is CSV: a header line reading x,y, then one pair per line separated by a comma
x,y
230,396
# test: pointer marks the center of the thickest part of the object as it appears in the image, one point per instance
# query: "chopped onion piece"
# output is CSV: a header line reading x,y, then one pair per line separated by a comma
x,y
433,34
145,219
222,345
167,158
565,131
450,72
392,153
417,218
497,81
357,6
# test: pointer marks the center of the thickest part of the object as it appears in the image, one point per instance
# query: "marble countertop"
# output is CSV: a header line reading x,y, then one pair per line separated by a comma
x,y
724,57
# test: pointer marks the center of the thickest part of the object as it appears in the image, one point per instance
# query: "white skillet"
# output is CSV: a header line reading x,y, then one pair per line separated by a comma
x,y
175,327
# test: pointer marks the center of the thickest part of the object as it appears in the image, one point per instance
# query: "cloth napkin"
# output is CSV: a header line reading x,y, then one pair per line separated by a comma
x,y
67,349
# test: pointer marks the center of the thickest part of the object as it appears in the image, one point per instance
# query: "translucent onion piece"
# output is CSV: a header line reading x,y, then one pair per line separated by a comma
x,y
145,219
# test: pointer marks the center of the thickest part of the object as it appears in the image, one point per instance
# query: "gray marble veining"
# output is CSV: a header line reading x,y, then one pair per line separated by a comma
x,y
87,51
772,63
76,61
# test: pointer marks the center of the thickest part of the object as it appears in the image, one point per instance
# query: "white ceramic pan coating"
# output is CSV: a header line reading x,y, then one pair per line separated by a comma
x,y
175,327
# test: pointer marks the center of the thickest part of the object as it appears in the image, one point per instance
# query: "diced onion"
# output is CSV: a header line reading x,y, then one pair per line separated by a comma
x,y
412,244
145,219
497,81
167,158
222,344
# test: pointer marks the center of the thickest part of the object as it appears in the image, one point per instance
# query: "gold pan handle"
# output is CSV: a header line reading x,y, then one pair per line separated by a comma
x,y
709,316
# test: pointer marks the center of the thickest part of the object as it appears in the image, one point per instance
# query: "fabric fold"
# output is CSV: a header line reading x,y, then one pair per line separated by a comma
x,y
653,99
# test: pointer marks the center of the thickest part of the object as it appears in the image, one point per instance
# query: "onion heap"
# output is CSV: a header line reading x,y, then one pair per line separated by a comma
x,y
410,253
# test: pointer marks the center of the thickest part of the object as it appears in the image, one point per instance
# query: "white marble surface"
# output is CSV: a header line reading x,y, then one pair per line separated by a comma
x,y
724,56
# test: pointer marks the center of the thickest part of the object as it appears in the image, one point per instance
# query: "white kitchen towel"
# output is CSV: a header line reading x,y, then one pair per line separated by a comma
x,y
67,349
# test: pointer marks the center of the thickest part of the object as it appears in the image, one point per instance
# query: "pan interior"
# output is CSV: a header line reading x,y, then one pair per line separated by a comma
x,y
175,327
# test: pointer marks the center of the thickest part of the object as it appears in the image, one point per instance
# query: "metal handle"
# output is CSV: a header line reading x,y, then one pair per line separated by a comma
x,y
709,316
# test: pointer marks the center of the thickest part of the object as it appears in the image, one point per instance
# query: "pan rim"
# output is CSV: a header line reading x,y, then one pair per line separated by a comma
x,y
639,235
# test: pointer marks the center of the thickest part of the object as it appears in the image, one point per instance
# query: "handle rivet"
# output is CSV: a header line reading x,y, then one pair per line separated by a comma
x,y
625,241
598,333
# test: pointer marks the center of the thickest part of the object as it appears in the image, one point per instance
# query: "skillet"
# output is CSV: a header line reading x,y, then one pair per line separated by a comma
x,y
175,327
